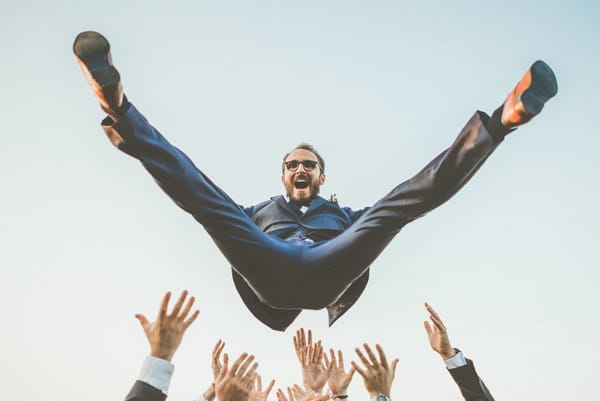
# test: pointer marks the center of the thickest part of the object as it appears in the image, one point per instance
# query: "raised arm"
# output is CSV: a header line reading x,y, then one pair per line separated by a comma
x,y
461,369
164,336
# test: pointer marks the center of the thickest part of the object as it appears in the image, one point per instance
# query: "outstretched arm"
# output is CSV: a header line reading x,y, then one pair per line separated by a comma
x,y
164,336
461,369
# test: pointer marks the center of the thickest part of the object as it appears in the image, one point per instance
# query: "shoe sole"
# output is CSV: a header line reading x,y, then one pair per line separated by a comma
x,y
542,88
93,51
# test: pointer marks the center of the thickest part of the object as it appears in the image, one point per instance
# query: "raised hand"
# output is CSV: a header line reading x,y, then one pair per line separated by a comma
x,y
166,332
438,335
216,363
338,380
300,342
377,374
297,393
236,383
257,394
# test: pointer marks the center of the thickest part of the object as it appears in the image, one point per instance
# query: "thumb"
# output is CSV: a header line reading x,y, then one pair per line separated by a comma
x,y
394,364
143,320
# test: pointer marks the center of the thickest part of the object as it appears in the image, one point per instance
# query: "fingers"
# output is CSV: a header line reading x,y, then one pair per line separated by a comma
x,y
340,359
179,303
188,306
281,396
428,328
362,358
435,318
218,348
328,367
188,322
371,354
249,377
317,352
381,356
358,369
235,366
164,304
298,343
224,370
258,383
143,321
394,364
246,375
269,388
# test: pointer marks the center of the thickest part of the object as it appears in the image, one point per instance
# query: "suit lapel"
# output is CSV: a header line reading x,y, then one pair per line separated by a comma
x,y
316,203
283,204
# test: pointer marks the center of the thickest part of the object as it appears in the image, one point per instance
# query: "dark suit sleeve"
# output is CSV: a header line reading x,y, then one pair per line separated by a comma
x,y
469,383
142,391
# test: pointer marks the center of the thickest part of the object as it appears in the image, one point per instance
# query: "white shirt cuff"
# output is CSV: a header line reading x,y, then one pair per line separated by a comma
x,y
157,373
456,361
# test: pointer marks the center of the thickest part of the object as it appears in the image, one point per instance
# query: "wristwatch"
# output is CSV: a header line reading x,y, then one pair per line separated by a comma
x,y
382,397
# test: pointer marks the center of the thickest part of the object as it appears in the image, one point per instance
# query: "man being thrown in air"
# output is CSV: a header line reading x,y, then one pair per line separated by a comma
x,y
302,251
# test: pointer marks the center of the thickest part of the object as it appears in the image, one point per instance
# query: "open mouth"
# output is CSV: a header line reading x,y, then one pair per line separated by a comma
x,y
301,184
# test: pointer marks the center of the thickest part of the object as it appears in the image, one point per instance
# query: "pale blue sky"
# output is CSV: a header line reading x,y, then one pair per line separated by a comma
x,y
379,88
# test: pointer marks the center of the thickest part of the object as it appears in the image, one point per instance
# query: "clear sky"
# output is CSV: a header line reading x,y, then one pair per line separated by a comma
x,y
380,88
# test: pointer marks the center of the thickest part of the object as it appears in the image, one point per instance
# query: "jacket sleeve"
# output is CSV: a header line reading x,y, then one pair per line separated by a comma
x,y
469,383
144,392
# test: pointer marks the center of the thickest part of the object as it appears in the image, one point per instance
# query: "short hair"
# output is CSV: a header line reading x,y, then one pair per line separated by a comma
x,y
310,148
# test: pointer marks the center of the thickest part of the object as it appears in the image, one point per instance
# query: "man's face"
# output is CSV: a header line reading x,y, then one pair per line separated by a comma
x,y
302,184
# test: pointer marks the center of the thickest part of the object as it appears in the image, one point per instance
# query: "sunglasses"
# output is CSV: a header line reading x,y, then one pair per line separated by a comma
x,y
309,165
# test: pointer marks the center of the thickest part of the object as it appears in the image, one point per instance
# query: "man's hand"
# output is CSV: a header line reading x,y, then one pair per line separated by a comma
x,y
338,380
236,383
166,332
300,342
310,355
216,359
297,393
257,394
209,394
438,336
378,375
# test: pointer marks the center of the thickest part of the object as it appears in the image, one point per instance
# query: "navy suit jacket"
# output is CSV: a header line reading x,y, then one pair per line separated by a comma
x,y
142,391
469,383
322,220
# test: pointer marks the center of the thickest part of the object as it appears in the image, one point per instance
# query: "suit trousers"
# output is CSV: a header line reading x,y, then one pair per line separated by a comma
x,y
280,271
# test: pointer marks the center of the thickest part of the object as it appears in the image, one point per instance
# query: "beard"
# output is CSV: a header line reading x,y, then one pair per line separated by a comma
x,y
303,199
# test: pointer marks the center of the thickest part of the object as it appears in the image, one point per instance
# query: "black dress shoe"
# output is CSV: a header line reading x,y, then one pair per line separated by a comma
x,y
527,100
92,52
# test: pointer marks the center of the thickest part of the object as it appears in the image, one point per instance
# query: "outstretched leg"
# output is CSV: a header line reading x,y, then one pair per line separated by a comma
x,y
344,258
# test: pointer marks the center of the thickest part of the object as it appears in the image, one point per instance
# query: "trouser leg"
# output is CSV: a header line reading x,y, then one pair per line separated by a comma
x,y
339,261
255,255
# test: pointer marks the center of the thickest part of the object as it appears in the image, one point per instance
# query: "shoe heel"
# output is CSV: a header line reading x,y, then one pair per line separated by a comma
x,y
543,88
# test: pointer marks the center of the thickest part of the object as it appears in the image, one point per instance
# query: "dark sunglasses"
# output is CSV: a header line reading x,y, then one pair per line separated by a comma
x,y
292,165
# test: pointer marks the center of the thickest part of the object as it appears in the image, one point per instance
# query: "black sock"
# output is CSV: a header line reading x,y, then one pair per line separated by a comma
x,y
495,127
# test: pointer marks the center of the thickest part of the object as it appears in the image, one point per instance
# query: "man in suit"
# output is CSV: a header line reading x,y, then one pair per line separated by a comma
x,y
288,244
460,368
